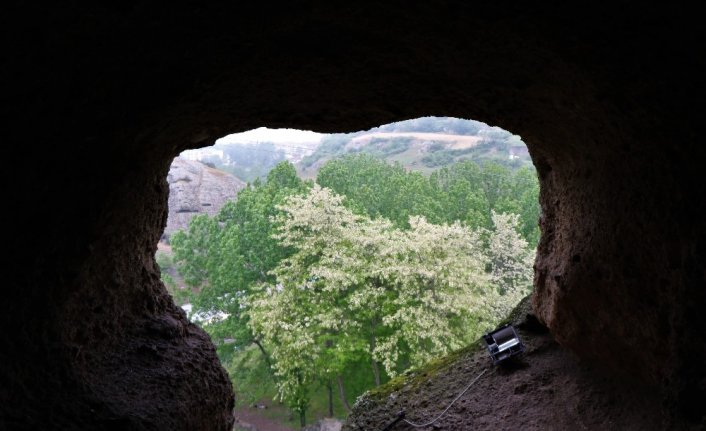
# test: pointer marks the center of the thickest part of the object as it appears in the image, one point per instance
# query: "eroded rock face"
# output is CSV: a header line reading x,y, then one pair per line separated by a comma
x,y
542,389
195,188
99,100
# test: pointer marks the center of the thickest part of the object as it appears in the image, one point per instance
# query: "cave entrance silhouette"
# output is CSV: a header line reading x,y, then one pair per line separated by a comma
x,y
608,104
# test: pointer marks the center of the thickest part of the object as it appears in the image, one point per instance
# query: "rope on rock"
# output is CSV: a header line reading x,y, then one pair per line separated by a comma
x,y
416,425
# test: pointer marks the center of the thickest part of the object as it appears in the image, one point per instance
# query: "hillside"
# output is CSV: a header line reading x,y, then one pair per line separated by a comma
x,y
423,144
252,154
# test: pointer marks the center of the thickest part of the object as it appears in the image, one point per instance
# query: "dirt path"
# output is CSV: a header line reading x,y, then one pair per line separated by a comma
x,y
246,416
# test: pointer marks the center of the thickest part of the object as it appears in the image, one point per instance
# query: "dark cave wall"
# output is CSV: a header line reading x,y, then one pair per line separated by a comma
x,y
99,100
96,341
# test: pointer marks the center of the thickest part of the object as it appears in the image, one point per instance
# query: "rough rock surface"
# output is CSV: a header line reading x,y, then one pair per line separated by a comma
x,y
547,388
98,99
195,188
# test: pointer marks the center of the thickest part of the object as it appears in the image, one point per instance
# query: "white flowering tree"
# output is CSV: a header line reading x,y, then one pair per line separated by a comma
x,y
441,292
356,287
303,316
510,260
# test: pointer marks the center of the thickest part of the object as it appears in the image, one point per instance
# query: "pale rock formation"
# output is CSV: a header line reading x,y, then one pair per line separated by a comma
x,y
195,188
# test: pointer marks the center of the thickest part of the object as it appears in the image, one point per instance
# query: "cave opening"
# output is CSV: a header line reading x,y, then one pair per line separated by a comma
x,y
457,200
100,100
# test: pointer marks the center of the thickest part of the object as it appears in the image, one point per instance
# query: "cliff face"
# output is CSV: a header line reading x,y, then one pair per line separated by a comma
x,y
195,188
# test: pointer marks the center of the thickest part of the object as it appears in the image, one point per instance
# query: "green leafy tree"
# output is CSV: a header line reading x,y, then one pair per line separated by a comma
x,y
378,189
224,256
458,187
465,192
471,192
525,194
295,315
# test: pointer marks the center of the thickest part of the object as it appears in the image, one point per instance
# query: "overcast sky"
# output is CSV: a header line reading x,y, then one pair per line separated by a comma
x,y
263,134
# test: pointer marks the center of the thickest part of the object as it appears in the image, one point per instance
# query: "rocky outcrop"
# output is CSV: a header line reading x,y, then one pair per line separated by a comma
x,y
196,188
543,389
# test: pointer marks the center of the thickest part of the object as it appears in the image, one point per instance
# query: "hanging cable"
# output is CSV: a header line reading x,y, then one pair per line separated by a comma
x,y
416,425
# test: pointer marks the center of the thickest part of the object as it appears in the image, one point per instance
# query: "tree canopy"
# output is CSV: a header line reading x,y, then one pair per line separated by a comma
x,y
360,287
225,255
466,191
373,266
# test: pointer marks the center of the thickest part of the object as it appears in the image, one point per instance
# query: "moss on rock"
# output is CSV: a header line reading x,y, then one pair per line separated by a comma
x,y
411,379
379,405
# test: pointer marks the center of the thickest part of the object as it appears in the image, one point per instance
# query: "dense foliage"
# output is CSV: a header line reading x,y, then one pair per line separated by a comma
x,y
225,256
465,192
373,267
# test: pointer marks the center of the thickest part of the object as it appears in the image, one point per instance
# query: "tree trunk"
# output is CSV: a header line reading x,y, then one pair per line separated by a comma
x,y
329,387
373,362
267,359
302,418
376,372
342,393
263,351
